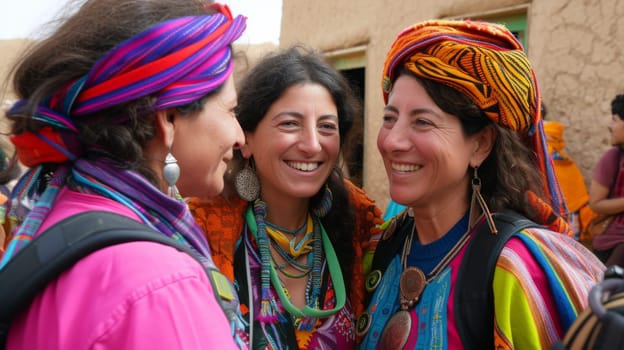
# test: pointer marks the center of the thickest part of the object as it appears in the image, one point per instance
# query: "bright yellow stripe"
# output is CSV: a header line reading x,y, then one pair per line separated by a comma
x,y
512,307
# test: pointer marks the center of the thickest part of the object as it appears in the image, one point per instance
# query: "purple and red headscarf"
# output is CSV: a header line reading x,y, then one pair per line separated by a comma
x,y
177,62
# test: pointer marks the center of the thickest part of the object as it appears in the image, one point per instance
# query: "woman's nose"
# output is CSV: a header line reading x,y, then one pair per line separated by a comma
x,y
310,142
395,139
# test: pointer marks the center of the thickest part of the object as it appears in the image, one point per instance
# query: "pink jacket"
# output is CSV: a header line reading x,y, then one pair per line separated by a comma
x,y
136,295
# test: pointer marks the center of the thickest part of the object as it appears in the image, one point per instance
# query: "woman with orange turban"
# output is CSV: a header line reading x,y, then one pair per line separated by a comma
x,y
463,145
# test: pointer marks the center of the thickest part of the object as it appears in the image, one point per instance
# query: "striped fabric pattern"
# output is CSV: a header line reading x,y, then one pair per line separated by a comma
x,y
486,63
548,307
177,61
181,60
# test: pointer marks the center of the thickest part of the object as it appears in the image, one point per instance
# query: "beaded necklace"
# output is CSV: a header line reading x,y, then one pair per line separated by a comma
x,y
290,250
303,268
269,310
289,245
287,231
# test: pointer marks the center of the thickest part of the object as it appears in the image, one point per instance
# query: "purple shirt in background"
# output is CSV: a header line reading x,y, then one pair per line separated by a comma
x,y
608,172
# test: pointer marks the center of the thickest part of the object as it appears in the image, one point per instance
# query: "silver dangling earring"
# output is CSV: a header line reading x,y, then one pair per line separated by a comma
x,y
477,199
171,173
247,183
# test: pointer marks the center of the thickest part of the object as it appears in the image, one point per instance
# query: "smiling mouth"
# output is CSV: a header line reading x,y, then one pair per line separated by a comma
x,y
303,166
405,168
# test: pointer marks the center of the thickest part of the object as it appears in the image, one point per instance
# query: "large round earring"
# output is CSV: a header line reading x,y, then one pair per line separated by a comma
x,y
171,173
247,183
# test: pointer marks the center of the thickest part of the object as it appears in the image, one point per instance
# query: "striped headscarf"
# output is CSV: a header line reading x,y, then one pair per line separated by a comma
x,y
178,61
485,62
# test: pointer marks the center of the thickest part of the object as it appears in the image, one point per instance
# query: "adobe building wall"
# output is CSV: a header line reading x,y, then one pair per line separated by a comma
x,y
10,50
576,47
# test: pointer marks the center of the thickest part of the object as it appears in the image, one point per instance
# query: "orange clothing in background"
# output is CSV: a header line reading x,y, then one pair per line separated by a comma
x,y
569,175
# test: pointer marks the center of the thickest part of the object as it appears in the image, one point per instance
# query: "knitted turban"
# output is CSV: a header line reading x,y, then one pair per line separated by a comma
x,y
485,62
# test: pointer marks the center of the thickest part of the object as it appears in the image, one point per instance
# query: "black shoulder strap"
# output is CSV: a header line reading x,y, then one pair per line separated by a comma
x,y
474,297
391,241
60,247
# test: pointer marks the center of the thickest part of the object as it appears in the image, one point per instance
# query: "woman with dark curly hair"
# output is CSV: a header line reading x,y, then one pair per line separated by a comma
x,y
296,229
463,146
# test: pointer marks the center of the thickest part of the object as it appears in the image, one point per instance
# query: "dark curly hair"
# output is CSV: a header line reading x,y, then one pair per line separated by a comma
x,y
266,83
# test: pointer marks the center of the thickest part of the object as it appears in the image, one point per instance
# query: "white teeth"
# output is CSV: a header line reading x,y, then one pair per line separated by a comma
x,y
405,167
303,166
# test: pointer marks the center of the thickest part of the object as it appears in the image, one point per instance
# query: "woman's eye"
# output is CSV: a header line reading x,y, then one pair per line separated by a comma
x,y
329,126
288,123
422,122
389,118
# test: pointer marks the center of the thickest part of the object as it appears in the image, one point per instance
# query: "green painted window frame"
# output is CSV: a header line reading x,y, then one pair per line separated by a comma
x,y
516,23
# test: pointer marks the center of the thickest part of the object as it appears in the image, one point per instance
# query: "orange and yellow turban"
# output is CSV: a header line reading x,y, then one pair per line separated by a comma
x,y
485,62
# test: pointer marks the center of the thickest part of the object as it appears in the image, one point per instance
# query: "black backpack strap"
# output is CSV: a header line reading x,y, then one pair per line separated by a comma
x,y
60,247
474,297
387,248
392,241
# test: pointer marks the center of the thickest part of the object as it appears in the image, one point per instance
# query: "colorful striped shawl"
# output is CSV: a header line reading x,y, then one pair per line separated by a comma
x,y
547,307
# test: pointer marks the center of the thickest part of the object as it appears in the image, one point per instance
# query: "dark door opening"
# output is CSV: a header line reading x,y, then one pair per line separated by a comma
x,y
354,155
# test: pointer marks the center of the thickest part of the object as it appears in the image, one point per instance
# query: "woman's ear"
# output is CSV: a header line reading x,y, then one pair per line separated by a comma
x,y
484,142
245,149
165,128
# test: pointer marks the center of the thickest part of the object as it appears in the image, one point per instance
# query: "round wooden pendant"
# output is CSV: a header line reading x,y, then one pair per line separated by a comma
x,y
396,332
411,285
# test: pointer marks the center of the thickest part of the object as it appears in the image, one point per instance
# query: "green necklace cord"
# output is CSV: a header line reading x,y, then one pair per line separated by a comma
x,y
334,271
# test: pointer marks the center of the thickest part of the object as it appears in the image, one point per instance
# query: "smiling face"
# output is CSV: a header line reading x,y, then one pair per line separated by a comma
x,y
425,151
297,143
203,144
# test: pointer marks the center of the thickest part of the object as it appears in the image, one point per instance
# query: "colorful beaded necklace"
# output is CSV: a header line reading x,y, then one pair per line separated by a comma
x,y
269,310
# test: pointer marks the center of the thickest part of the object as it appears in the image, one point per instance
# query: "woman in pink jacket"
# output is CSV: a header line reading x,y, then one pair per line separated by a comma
x,y
126,108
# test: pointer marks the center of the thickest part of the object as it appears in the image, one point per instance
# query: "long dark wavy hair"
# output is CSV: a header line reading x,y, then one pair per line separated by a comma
x,y
265,84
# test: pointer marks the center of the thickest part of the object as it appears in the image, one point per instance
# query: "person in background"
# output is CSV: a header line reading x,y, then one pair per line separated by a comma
x,y
570,180
126,107
294,231
606,191
461,138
